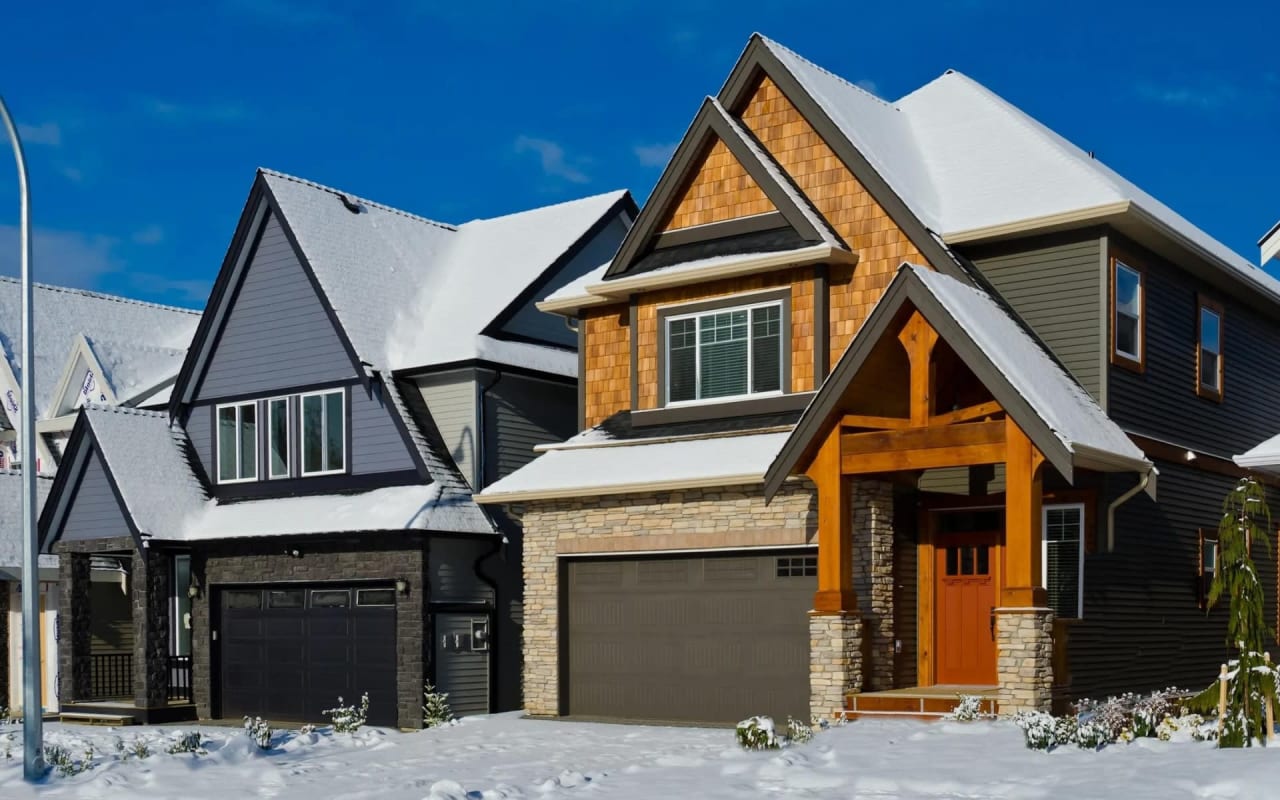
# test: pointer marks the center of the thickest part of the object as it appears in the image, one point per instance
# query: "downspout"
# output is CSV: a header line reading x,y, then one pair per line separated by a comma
x,y
498,547
1142,484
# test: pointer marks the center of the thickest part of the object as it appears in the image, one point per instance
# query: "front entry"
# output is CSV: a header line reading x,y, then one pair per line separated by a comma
x,y
966,599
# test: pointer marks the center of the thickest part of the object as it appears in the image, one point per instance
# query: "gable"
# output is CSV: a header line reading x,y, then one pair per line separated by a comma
x,y
720,189
92,510
82,382
277,333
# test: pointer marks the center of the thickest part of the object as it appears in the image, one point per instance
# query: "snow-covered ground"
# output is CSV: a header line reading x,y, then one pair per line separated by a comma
x,y
508,757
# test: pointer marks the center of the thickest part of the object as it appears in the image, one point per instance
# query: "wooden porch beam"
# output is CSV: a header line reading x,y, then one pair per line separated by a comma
x,y
980,411
923,438
1024,491
869,421
835,530
919,338
929,458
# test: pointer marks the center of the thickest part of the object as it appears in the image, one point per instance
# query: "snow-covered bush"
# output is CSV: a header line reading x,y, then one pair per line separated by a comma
x,y
1040,729
185,743
968,710
1187,725
757,733
66,765
348,719
1091,735
259,731
139,748
798,732
435,707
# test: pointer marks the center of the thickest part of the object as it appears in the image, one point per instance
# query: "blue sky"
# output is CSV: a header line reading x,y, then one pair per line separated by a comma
x,y
144,121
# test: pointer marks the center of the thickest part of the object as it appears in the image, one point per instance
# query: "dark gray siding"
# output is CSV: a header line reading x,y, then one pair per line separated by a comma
x,y
520,413
94,513
532,323
1162,402
110,617
461,670
199,428
1142,626
376,442
451,398
277,335
1055,285
452,565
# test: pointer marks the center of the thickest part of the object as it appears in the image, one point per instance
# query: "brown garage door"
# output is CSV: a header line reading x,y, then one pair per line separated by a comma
x,y
707,638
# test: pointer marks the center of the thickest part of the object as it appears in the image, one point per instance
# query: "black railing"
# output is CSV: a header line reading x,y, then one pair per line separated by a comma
x,y
110,676
180,679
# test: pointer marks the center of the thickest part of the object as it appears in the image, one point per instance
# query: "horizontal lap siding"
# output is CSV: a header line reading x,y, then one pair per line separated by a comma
x,y
453,577
1161,401
521,413
95,513
452,404
376,442
1142,627
1054,284
277,334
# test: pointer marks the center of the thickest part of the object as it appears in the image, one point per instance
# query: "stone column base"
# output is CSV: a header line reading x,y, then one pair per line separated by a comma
x,y
835,661
1024,666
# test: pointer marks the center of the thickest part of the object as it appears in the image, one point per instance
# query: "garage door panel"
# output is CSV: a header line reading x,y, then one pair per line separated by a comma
x,y
690,638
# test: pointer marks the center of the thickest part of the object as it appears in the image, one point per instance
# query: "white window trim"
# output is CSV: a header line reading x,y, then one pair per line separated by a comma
x,y
1044,552
288,436
697,359
217,438
1137,340
324,418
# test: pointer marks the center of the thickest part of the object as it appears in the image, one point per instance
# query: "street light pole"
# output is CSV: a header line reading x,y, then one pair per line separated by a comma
x,y
32,707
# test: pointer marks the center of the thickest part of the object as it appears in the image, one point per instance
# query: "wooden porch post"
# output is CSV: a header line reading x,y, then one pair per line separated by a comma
x,y
835,530
1023,576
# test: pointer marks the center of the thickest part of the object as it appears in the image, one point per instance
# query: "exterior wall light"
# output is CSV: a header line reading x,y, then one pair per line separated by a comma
x,y
402,586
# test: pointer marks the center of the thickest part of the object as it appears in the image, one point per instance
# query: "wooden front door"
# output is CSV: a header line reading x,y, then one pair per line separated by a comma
x,y
965,602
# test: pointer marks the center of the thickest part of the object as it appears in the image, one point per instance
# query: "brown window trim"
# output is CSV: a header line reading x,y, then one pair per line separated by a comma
x,y
1207,392
1117,358
1202,580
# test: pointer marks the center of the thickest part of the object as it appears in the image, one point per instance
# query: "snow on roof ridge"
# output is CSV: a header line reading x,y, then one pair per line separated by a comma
x,y
148,348
616,194
134,412
49,287
342,194
772,43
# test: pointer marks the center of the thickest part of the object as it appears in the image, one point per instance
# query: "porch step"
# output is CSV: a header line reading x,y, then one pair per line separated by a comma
x,y
907,704
96,718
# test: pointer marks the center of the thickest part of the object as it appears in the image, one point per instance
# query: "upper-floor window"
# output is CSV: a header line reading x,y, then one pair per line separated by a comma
x,y
1063,558
279,437
725,353
324,432
1127,304
1209,350
238,442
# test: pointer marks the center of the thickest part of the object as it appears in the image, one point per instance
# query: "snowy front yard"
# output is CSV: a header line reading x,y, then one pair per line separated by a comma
x,y
508,757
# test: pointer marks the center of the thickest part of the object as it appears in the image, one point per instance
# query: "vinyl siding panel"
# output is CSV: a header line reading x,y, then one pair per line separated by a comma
x,y
376,442
277,335
451,399
521,413
461,671
534,324
1054,284
95,513
110,619
453,577
199,428
1162,402
1142,627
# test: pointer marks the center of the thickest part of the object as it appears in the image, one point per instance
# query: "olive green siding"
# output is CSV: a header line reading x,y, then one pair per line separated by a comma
x,y
1054,283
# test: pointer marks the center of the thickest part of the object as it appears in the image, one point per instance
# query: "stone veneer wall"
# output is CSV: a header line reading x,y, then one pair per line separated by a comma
x,y
1024,666
734,516
836,664
150,597
873,579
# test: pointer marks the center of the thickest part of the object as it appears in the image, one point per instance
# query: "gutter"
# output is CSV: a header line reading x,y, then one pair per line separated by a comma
x,y
569,492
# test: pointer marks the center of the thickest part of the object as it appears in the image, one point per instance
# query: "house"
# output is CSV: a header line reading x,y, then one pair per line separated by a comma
x,y
89,347
298,523
1270,244
877,398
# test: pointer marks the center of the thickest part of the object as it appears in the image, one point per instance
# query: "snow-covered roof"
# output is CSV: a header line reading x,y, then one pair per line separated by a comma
x,y
411,292
133,370
1269,245
11,518
1264,457
591,464
61,313
964,160
148,459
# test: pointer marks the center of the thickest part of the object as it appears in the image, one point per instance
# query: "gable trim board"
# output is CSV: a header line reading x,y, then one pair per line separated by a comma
x,y
713,121
1062,450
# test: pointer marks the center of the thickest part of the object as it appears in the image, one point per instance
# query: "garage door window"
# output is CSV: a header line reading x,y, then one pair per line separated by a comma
x,y
376,597
797,566
289,598
330,598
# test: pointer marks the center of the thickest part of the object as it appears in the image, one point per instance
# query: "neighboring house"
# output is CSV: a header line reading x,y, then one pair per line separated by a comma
x,y
89,347
298,525
1270,244
875,397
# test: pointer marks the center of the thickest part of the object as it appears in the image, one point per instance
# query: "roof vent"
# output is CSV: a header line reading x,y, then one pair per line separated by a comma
x,y
353,205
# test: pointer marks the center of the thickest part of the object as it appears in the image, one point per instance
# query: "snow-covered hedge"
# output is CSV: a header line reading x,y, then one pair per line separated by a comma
x,y
259,732
1116,719
348,719
760,733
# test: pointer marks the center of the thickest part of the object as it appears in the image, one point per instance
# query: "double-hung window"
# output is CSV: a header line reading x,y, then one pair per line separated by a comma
x,y
1127,306
1063,559
238,442
725,353
1209,350
324,432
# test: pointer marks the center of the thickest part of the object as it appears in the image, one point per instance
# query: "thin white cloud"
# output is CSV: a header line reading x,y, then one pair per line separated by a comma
x,y
552,158
65,258
180,113
181,290
72,174
46,133
867,85
654,155
1205,96
151,234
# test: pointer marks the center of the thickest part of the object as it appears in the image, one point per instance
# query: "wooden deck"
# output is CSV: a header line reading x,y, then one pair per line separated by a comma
x,y
918,702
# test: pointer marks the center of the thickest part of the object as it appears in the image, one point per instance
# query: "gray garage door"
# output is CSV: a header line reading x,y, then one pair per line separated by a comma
x,y
287,653
690,638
